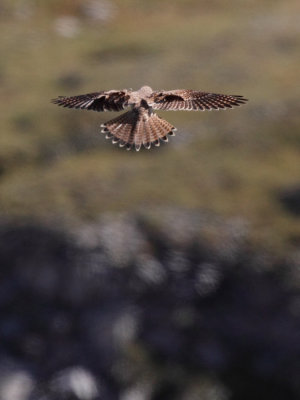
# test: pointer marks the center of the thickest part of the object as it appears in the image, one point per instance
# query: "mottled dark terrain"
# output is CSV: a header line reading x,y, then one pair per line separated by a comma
x,y
122,309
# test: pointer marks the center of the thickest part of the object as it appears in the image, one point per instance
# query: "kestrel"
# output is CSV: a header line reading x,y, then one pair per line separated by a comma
x,y
140,125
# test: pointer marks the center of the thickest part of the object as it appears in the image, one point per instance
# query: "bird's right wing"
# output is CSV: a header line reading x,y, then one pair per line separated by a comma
x,y
112,100
182,99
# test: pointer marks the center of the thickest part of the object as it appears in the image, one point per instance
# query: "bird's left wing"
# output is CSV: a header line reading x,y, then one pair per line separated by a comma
x,y
112,100
183,99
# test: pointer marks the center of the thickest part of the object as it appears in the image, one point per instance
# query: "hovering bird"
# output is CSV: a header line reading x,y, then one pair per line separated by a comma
x,y
140,125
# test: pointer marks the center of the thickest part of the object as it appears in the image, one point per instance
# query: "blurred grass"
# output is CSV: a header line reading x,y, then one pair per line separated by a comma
x,y
55,163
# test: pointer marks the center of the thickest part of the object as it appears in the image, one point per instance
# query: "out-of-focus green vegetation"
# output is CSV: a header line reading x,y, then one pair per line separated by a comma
x,y
56,165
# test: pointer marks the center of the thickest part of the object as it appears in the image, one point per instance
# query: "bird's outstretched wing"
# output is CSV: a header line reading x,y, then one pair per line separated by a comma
x,y
112,100
182,99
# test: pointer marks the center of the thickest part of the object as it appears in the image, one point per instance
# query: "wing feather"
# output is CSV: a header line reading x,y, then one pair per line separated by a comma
x,y
113,100
182,99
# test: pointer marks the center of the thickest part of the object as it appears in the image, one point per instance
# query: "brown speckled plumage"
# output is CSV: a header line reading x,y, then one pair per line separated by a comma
x,y
141,126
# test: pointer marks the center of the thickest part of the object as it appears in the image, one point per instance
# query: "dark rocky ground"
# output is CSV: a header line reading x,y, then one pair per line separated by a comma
x,y
132,310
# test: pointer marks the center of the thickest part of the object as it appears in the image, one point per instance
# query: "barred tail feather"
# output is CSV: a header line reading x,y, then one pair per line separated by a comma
x,y
120,129
137,128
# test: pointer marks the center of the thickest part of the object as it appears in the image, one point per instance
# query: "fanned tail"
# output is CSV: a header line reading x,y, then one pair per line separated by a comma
x,y
138,127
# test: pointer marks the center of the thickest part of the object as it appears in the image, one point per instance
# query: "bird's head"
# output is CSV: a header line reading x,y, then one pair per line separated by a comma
x,y
146,90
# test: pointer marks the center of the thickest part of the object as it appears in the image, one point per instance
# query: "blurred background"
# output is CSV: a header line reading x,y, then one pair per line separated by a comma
x,y
165,274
